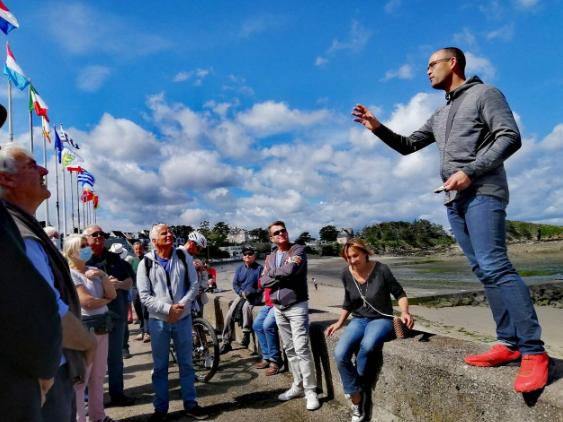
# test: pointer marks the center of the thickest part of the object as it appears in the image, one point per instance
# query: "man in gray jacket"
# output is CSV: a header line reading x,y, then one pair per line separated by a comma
x,y
168,284
475,132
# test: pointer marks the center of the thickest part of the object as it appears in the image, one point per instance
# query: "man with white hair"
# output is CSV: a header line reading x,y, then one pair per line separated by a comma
x,y
23,188
168,285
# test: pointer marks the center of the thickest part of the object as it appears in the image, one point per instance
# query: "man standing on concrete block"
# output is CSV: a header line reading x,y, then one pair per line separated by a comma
x,y
285,272
245,285
476,132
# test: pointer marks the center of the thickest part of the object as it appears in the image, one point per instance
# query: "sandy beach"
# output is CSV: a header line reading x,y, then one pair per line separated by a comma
x,y
463,322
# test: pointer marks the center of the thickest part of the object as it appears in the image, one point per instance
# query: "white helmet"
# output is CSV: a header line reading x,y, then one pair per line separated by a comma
x,y
198,239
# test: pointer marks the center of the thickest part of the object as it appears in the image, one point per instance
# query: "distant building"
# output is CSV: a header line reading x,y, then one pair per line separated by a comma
x,y
238,236
344,235
234,251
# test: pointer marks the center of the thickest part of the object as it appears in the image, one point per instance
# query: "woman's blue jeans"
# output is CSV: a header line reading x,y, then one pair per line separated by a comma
x,y
478,224
266,330
161,334
361,336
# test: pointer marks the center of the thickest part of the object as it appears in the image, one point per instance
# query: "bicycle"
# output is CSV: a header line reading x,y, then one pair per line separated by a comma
x,y
205,349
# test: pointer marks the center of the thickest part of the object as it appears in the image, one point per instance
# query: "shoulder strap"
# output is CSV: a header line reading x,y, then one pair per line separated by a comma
x,y
182,255
148,265
366,301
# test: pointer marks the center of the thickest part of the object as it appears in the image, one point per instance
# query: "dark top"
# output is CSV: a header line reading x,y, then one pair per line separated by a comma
x,y
377,290
113,265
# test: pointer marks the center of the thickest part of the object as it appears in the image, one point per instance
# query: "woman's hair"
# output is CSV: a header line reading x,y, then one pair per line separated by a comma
x,y
72,245
356,243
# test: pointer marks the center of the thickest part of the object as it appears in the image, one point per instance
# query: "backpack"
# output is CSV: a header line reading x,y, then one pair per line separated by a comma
x,y
182,255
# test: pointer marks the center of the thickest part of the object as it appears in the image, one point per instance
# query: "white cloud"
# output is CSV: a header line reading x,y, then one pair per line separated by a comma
x,y
391,6
554,141
260,24
527,4
480,66
272,117
406,118
92,78
504,33
466,38
87,29
320,61
196,75
238,85
403,72
355,42
358,38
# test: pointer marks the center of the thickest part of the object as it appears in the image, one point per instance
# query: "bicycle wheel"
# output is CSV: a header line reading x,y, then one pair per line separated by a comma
x,y
205,349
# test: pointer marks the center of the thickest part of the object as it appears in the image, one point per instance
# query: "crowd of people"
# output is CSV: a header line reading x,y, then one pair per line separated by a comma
x,y
66,314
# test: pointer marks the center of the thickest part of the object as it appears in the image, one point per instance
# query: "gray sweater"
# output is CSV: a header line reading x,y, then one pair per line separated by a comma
x,y
483,134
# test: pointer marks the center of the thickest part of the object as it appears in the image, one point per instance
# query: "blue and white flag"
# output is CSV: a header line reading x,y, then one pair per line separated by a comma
x,y
86,178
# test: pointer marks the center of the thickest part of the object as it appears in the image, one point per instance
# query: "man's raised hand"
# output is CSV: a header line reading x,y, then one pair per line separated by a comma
x,y
365,117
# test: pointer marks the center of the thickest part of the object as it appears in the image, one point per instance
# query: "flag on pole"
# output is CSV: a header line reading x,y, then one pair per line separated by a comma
x,y
95,200
36,103
7,20
58,146
68,157
45,129
75,169
87,195
66,138
86,178
12,70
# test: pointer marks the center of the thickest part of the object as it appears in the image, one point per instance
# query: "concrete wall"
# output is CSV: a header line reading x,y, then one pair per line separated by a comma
x,y
424,378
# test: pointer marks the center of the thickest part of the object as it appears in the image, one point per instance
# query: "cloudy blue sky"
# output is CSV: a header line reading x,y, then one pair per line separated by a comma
x,y
240,111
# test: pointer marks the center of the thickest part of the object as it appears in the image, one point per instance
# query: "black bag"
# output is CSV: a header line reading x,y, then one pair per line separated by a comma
x,y
99,324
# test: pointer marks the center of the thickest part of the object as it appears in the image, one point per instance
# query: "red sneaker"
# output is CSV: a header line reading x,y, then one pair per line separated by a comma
x,y
532,374
498,355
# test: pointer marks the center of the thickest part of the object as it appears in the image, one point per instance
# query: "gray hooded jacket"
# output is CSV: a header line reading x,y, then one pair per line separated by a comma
x,y
482,134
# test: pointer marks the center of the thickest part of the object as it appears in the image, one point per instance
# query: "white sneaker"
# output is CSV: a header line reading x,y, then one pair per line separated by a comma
x,y
312,400
358,410
292,393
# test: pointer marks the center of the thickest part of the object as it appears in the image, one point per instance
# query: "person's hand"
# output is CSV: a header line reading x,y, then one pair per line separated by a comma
x,y
115,282
175,313
94,272
407,319
365,117
45,385
295,259
332,329
457,181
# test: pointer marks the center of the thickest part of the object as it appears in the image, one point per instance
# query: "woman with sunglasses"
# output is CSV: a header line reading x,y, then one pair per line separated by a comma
x,y
95,291
368,286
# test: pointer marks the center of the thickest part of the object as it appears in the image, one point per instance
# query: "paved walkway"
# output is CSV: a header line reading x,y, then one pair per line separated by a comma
x,y
237,392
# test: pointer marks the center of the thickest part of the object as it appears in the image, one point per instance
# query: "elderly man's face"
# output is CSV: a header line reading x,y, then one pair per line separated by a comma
x,y
28,181
96,238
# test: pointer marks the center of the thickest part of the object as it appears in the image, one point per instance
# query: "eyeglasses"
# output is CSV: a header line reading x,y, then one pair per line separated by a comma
x,y
98,234
432,64
278,232
248,254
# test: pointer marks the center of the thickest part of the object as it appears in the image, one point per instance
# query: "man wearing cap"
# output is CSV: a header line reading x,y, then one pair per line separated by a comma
x,y
245,285
120,274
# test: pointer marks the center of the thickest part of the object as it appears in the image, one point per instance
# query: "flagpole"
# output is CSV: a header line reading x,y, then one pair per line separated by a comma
x,y
64,202
45,165
10,126
30,126
71,204
57,197
78,204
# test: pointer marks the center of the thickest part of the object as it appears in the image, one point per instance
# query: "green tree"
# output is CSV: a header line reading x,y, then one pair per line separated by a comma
x,y
259,235
328,233
181,231
303,238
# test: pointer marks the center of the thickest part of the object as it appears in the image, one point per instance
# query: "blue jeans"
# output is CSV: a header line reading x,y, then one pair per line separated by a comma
x,y
361,336
267,332
181,333
115,359
478,224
